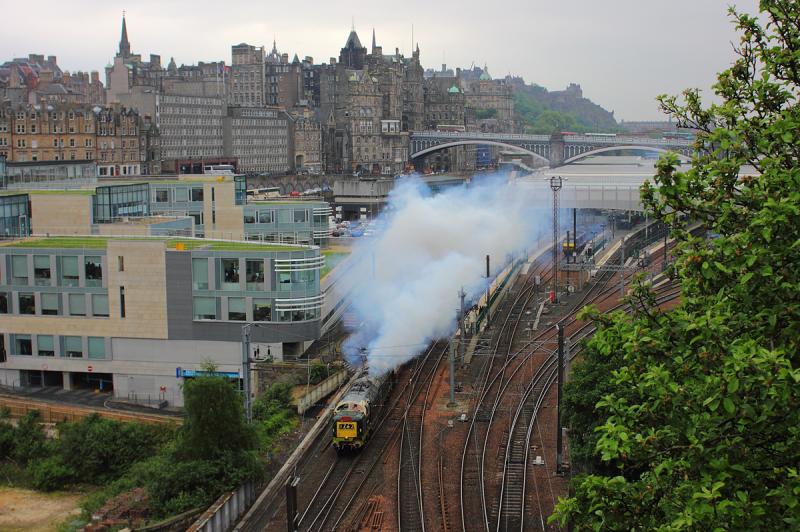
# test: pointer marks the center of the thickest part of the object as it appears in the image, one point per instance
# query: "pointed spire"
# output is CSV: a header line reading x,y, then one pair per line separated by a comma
x,y
374,44
274,46
124,45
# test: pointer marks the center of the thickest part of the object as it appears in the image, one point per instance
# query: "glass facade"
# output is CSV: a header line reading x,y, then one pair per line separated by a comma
x,y
15,216
240,189
115,201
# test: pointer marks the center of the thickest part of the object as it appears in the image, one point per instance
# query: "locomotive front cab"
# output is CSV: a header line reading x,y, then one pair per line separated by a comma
x,y
350,427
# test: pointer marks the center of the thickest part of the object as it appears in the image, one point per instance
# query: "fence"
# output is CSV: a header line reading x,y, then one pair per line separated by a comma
x,y
225,511
53,413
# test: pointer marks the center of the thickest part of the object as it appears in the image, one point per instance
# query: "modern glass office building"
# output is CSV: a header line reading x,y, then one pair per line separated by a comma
x,y
132,316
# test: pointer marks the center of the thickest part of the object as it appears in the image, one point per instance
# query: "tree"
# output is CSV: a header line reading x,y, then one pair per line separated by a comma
x,y
699,426
214,424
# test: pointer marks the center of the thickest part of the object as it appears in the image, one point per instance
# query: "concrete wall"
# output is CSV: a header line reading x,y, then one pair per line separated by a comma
x,y
227,217
61,214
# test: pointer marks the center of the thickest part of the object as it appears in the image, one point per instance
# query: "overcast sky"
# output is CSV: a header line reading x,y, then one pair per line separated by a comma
x,y
622,52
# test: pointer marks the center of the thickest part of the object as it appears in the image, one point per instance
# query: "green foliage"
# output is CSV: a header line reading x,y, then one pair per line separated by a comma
x,y
280,392
272,419
51,473
697,426
318,371
214,423
30,441
103,449
7,440
541,113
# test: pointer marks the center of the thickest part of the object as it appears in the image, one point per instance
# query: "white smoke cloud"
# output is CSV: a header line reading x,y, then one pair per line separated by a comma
x,y
409,274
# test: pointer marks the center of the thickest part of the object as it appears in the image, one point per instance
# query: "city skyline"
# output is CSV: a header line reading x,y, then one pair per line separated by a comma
x,y
623,71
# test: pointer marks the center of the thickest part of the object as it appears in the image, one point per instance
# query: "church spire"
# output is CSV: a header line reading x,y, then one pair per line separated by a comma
x,y
374,44
124,45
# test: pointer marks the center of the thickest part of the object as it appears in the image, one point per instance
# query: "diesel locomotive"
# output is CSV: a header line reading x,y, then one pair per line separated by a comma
x,y
355,414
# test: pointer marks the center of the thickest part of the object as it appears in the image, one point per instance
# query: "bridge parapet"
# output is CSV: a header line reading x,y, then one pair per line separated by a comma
x,y
554,150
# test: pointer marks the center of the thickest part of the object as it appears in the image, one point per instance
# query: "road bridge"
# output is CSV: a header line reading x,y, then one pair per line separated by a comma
x,y
547,150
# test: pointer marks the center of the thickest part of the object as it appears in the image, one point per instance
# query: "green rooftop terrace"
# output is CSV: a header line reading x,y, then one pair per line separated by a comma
x,y
101,242
50,192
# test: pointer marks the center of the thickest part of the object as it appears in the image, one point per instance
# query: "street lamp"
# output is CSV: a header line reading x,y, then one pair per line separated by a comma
x,y
556,183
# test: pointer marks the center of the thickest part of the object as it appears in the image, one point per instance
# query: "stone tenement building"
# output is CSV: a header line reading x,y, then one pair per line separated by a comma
x,y
363,97
248,76
491,100
37,79
111,136
307,140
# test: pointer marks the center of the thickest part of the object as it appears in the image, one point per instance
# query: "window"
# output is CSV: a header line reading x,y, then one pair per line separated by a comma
x,y
249,218
261,310
266,217
50,304
236,310
181,194
200,274
27,303
41,270
3,303
73,346
284,280
300,216
304,277
97,347
120,263
197,194
22,344
100,305
121,301
205,308
230,274
255,274
94,271
19,269
77,305
69,271
45,346
162,195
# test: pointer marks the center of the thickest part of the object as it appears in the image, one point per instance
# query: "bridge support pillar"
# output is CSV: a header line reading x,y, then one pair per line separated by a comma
x,y
556,149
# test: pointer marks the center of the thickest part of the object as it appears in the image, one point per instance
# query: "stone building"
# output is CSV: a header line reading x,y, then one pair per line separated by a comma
x,y
36,79
118,142
491,100
258,138
47,133
363,99
444,103
129,70
285,85
248,76
111,136
307,140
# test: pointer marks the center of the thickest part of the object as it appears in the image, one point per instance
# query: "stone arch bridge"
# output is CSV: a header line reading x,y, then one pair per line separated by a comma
x,y
546,150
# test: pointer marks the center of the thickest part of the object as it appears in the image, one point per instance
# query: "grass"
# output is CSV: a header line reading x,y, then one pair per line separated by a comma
x,y
332,259
52,192
89,242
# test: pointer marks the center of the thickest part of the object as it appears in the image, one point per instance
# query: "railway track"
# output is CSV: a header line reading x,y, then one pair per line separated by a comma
x,y
348,474
410,500
507,511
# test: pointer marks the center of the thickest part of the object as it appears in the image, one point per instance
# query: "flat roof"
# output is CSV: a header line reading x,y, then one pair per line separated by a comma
x,y
49,191
101,242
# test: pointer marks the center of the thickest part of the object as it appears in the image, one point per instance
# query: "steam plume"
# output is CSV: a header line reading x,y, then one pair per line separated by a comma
x,y
409,274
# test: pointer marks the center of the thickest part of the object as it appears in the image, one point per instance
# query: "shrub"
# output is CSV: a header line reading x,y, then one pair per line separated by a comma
x,y
318,371
51,473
